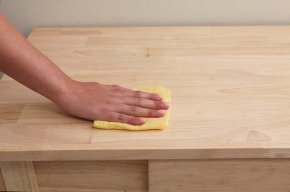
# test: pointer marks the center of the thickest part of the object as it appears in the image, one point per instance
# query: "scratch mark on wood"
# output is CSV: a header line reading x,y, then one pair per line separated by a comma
x,y
148,52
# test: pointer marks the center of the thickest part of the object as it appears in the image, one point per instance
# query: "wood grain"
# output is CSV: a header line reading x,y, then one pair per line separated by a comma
x,y
2,184
19,176
10,113
248,175
45,113
230,94
97,176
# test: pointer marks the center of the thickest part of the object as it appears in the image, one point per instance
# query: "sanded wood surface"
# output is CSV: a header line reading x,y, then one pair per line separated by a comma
x,y
240,175
230,94
19,176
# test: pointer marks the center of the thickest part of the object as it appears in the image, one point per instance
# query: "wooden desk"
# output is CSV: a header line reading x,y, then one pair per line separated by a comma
x,y
230,120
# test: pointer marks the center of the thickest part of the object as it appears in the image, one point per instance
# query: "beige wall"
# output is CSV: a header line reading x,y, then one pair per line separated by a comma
x,y
26,14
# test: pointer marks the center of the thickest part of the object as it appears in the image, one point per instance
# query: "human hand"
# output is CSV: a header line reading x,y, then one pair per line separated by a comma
x,y
23,62
95,101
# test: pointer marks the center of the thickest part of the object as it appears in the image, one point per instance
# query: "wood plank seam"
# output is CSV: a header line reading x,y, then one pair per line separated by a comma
x,y
19,176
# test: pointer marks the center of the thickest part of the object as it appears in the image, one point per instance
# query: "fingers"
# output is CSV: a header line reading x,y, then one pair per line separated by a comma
x,y
137,94
145,103
123,118
141,94
128,106
139,111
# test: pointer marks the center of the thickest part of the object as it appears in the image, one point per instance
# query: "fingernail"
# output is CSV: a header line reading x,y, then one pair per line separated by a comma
x,y
158,97
165,105
161,112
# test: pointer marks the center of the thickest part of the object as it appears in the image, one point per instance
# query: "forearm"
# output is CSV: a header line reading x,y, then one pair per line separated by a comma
x,y
21,61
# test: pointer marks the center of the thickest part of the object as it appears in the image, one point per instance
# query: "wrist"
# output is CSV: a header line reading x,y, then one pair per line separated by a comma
x,y
63,90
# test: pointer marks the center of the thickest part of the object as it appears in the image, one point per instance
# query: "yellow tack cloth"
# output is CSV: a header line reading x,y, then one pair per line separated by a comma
x,y
150,123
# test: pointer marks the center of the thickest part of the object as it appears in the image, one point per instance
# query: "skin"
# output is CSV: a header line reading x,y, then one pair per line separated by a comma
x,y
88,100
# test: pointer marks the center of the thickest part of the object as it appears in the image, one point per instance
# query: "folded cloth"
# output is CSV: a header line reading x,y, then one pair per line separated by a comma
x,y
150,123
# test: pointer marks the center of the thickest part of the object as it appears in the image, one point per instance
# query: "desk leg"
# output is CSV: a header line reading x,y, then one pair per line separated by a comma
x,y
19,176
239,175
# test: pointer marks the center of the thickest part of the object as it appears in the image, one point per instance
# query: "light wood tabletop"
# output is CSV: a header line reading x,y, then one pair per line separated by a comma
x,y
230,94
229,127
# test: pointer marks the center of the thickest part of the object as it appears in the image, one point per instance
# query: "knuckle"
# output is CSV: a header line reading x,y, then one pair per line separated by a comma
x,y
138,93
151,113
157,103
111,101
108,102
110,116
154,96
133,109
116,87
138,102
121,118
103,108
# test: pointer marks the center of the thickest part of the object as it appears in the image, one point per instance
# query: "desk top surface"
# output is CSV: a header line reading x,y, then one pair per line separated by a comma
x,y
230,94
